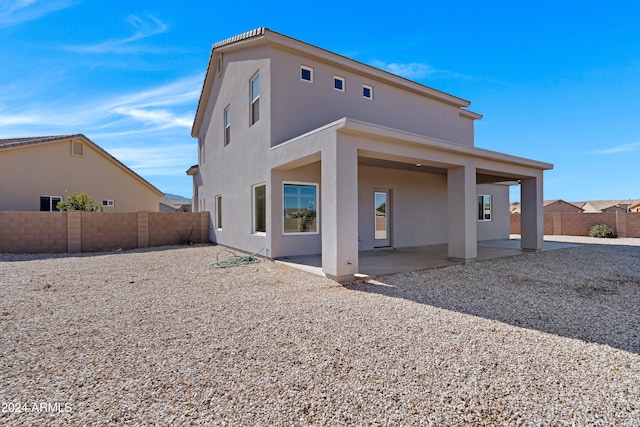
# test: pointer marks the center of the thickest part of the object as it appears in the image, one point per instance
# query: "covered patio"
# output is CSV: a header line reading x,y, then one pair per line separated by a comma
x,y
343,148
390,261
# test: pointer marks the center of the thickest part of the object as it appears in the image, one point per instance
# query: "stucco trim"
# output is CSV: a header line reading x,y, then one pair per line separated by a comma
x,y
357,127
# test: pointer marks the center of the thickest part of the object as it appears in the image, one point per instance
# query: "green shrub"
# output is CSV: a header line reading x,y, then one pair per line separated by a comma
x,y
79,202
602,230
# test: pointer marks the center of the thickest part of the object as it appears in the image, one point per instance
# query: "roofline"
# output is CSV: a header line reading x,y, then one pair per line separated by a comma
x,y
358,127
264,35
60,138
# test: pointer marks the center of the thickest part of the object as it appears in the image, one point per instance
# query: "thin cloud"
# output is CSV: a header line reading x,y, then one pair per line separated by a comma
x,y
158,160
154,107
624,148
160,108
18,11
145,25
415,70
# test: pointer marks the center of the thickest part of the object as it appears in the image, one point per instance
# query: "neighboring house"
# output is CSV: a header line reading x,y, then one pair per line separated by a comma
x,y
173,203
303,151
635,207
560,206
36,171
549,206
607,205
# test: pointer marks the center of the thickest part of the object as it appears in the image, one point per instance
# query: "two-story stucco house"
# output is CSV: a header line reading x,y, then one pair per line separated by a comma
x,y
304,151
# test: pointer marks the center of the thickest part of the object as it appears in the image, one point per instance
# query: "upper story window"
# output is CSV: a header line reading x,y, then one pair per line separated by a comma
x,y
227,125
220,64
338,83
255,98
367,91
484,208
306,73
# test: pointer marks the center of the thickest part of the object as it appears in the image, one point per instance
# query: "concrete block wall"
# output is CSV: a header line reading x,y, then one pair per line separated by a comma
x,y
58,232
579,224
626,224
119,231
167,228
33,232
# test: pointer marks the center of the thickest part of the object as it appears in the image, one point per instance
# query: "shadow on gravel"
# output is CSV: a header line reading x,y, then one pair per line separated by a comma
x,y
590,293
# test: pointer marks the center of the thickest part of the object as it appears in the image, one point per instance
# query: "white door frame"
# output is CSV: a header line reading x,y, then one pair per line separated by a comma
x,y
382,218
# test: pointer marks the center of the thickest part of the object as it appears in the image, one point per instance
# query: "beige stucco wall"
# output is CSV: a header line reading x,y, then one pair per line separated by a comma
x,y
48,169
299,106
232,170
417,210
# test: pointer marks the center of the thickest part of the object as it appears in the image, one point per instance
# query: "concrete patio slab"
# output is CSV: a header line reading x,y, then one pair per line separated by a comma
x,y
390,261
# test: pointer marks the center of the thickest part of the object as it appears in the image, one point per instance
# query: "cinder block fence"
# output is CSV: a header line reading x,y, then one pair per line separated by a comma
x,y
626,224
55,232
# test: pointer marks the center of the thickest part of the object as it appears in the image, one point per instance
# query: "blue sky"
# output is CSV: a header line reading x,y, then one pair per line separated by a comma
x,y
555,81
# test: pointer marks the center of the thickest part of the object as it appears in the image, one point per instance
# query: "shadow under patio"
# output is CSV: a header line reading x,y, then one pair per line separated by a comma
x,y
383,261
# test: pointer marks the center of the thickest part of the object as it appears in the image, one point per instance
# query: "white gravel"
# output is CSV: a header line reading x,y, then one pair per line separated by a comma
x,y
159,337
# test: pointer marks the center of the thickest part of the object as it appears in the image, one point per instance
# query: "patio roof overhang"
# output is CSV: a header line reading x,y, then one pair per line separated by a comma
x,y
386,147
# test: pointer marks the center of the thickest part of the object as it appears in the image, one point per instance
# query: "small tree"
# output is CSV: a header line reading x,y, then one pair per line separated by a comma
x,y
79,202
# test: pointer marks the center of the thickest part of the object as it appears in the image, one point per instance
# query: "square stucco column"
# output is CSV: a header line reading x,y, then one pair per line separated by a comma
x,y
463,212
339,221
531,213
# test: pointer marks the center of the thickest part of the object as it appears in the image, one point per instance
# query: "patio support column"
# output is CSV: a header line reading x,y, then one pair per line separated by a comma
x,y
531,213
463,213
339,220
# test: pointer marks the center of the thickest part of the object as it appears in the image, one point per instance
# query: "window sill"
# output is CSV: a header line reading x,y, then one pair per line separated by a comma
x,y
302,233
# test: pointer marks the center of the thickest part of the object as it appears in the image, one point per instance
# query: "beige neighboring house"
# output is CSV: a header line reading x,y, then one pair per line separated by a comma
x,y
607,205
635,207
174,204
36,171
560,206
304,151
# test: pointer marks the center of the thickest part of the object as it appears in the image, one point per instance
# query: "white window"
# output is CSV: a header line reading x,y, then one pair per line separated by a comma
x,y
300,201
306,73
259,209
484,208
218,216
227,125
339,83
367,91
255,99
108,203
49,203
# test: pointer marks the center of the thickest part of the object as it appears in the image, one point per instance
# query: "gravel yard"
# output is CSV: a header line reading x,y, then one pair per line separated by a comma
x,y
160,337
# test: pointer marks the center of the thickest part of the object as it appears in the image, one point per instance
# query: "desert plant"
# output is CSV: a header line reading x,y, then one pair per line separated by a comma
x,y
602,230
79,202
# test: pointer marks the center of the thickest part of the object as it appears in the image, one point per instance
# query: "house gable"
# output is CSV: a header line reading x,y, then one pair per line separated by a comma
x,y
48,166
